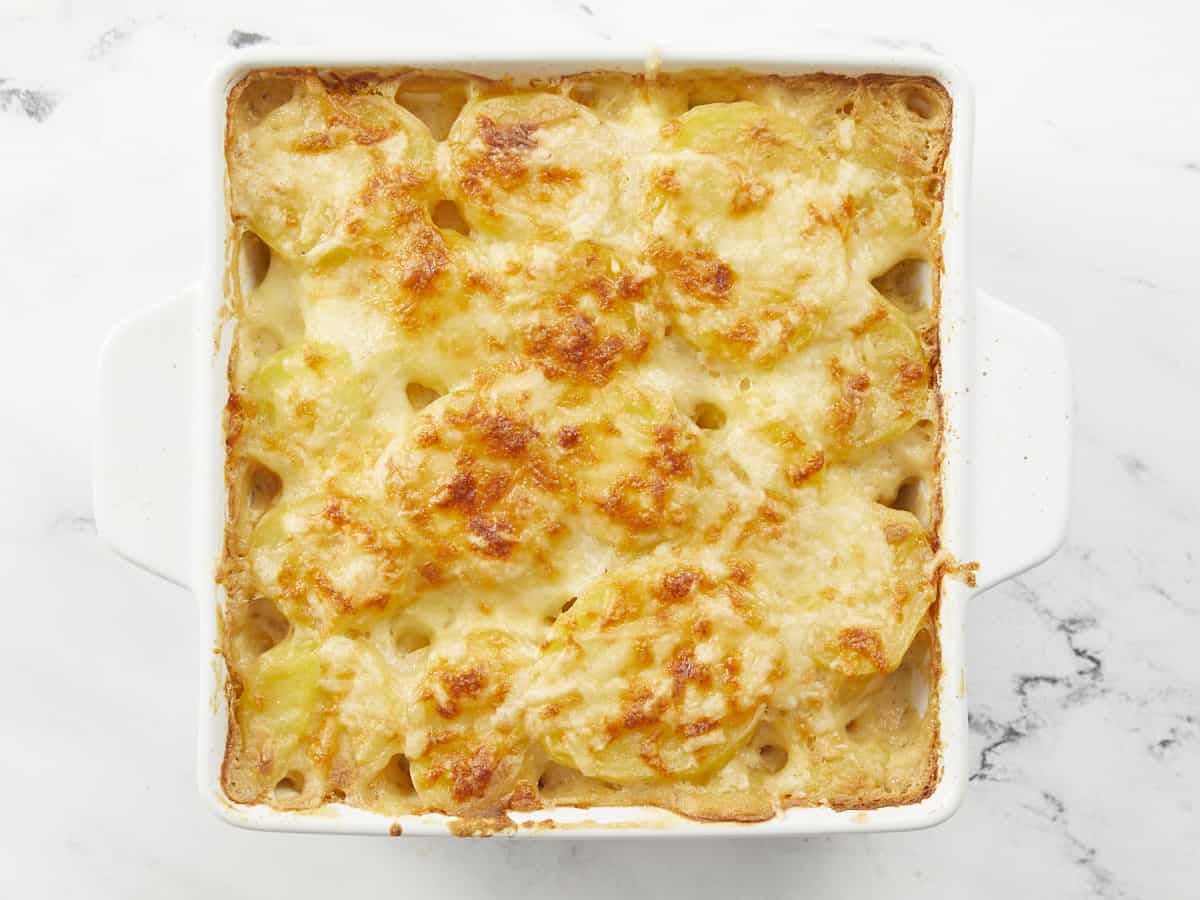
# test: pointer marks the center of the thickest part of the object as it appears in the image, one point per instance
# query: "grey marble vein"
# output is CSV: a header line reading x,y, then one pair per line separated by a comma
x,y
107,42
33,103
1185,731
239,39
1084,684
1083,854
1174,602
73,524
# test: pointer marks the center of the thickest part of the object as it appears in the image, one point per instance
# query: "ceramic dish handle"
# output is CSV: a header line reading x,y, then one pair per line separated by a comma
x,y
142,465
1020,442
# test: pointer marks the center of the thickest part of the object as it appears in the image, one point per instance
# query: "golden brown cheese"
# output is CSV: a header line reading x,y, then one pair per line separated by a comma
x,y
582,441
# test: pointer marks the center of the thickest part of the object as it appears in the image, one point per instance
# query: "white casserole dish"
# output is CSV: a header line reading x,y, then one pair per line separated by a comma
x,y
159,459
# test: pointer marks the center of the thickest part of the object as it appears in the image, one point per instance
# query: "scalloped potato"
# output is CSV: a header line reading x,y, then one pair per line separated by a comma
x,y
583,441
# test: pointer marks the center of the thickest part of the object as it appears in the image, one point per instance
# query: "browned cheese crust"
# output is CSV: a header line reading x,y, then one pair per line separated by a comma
x,y
583,442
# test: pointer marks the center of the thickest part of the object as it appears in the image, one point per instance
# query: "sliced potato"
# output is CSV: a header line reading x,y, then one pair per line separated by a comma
x,y
331,561
849,580
469,749
531,164
306,401
881,378
297,167
658,671
280,700
741,286
745,132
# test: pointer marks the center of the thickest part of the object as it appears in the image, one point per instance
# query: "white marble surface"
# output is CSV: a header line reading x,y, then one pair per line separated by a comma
x,y
1083,675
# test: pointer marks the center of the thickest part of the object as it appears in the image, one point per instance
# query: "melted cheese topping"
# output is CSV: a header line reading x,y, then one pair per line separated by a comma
x,y
582,441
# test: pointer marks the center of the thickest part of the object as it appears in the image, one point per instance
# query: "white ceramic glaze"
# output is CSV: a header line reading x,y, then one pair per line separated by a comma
x,y
1005,469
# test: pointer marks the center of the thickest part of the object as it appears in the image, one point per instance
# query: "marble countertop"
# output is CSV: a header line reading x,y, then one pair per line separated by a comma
x,y
1084,677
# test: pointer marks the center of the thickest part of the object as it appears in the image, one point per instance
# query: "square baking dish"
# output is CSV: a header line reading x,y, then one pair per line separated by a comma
x,y
159,460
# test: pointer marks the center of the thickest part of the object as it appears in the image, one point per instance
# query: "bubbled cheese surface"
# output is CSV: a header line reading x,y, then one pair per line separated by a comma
x,y
582,441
